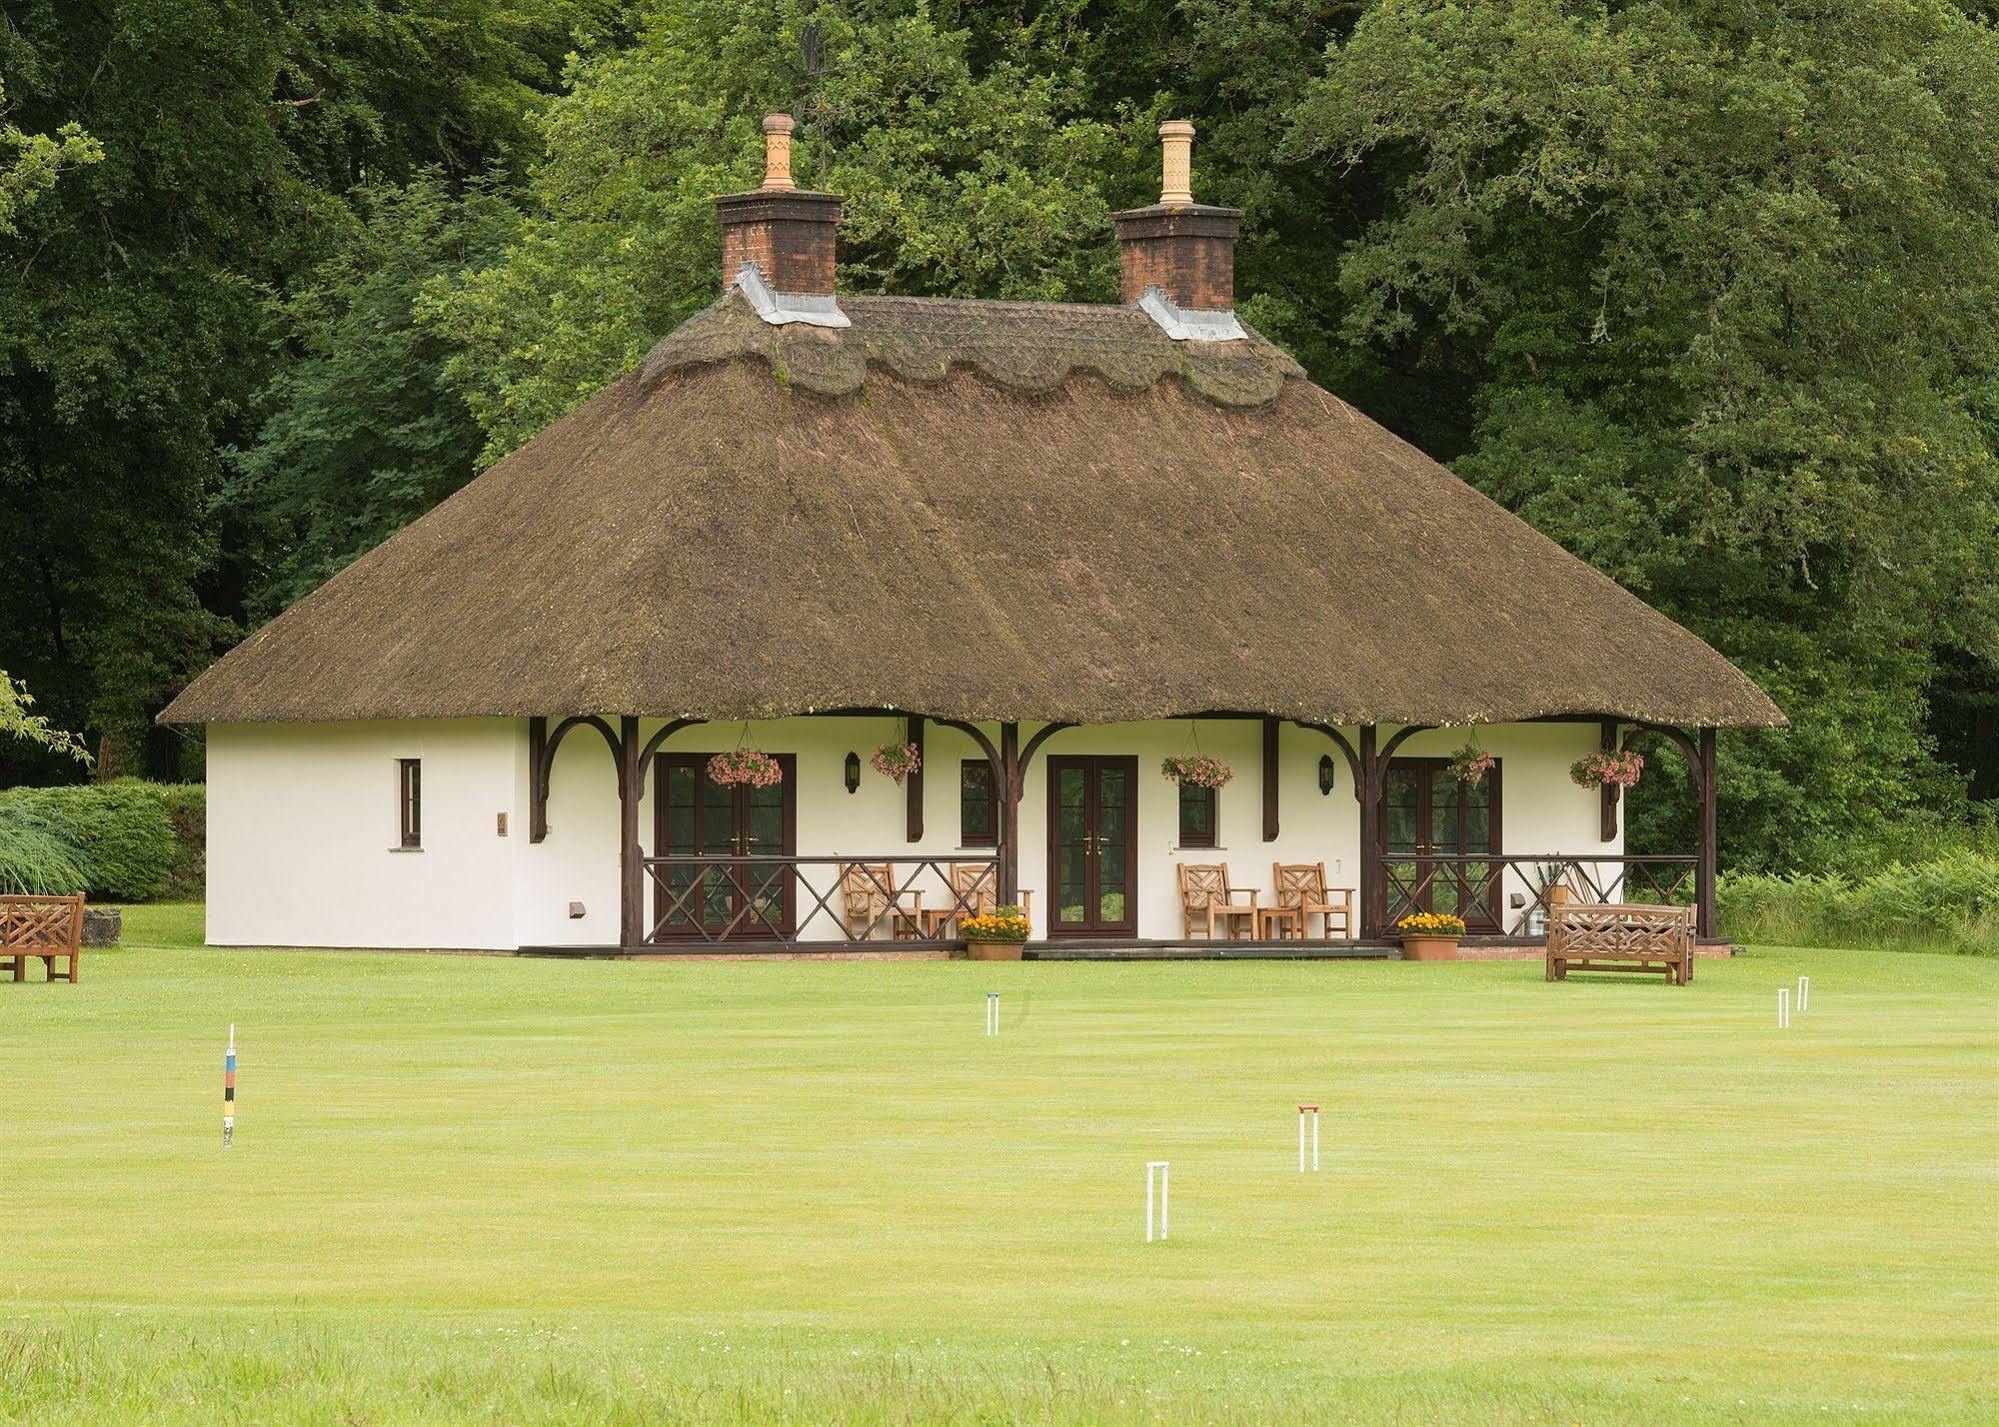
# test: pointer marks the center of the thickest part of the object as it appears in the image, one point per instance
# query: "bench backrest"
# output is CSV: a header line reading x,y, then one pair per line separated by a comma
x,y
41,923
1622,929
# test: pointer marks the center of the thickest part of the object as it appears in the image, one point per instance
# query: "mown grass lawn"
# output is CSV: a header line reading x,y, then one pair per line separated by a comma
x,y
527,1191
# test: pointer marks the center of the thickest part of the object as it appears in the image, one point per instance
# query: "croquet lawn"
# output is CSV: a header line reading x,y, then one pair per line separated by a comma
x,y
498,1190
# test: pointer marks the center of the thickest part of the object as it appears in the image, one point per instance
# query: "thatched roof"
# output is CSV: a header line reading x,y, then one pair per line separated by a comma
x,y
979,510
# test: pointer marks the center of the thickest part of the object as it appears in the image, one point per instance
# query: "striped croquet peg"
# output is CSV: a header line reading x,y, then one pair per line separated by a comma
x,y
229,1090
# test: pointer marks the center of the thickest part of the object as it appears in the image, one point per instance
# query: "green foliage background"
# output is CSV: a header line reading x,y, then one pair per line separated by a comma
x,y
1705,290
115,840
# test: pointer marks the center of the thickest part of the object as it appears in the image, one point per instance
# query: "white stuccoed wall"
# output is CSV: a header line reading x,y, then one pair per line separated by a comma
x,y
302,831
302,821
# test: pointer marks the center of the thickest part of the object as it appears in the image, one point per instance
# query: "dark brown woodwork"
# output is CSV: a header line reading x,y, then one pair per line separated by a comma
x,y
1368,781
1704,870
1009,815
537,779
45,929
748,871
1473,886
653,744
1092,924
631,865
1270,729
1607,795
912,786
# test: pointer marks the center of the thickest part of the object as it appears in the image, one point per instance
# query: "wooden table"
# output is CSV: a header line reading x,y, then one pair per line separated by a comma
x,y
1272,921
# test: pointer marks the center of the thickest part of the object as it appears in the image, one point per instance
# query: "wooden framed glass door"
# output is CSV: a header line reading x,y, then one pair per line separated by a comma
x,y
1424,810
694,815
1092,846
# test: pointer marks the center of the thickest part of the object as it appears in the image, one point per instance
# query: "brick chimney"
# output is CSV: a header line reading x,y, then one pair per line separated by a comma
x,y
1183,248
785,230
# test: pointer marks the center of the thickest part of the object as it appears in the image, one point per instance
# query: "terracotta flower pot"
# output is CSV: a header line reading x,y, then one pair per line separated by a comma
x,y
1429,948
993,950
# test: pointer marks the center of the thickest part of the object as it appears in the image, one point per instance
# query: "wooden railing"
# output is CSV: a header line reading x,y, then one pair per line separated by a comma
x,y
1475,886
767,898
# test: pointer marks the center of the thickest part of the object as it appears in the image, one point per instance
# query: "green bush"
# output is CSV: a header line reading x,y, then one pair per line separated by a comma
x,y
187,805
120,834
1949,902
35,861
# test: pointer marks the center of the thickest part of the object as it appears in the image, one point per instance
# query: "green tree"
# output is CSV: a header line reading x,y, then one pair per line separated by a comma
x,y
362,432
1728,275
30,164
964,178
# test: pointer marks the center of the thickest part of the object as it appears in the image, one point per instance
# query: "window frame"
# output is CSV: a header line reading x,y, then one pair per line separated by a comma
x,y
968,835
1213,798
409,804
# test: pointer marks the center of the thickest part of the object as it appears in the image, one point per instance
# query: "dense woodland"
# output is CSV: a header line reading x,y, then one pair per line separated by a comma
x,y
1707,289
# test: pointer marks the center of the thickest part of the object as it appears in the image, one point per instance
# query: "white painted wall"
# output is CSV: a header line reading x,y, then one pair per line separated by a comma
x,y
302,833
302,821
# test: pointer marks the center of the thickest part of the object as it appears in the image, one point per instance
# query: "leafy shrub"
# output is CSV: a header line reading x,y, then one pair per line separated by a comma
x,y
1950,902
35,861
187,805
120,835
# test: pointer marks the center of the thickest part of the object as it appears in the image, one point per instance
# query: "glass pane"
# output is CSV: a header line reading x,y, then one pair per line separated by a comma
x,y
1072,828
1400,796
1197,816
1444,792
975,803
1113,836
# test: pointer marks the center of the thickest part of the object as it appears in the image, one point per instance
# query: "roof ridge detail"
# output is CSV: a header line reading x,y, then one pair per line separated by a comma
x,y
1027,347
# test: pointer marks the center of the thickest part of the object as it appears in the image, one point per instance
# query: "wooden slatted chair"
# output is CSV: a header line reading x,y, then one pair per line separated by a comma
x,y
868,897
1207,899
1303,885
974,885
48,929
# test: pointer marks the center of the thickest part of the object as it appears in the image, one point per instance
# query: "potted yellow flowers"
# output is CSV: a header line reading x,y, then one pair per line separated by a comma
x,y
1430,936
997,935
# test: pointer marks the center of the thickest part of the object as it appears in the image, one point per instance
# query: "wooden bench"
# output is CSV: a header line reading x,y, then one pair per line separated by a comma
x,y
47,927
1610,936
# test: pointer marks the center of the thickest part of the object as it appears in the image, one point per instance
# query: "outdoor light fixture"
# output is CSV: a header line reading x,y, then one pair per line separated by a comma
x,y
1325,774
853,772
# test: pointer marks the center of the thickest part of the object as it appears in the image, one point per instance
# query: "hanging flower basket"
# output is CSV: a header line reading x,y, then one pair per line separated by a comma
x,y
1470,764
1607,770
1198,770
747,766
897,760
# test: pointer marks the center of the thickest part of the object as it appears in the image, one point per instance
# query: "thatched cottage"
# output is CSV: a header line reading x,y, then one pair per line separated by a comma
x,y
1035,550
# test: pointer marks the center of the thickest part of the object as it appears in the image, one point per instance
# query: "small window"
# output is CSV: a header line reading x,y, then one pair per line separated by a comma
x,y
978,821
409,800
1197,816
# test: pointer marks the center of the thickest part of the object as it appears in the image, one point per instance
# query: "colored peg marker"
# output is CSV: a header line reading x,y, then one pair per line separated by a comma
x,y
229,1090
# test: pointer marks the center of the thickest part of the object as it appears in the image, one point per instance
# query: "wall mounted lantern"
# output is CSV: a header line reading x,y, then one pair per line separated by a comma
x,y
853,772
1325,774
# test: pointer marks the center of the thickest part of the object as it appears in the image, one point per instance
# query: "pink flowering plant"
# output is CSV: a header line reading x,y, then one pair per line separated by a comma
x,y
1601,770
749,766
1198,769
1470,764
896,760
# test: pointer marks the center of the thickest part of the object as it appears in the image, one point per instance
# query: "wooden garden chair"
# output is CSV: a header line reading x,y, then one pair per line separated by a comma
x,y
1303,885
47,929
868,897
974,885
1207,900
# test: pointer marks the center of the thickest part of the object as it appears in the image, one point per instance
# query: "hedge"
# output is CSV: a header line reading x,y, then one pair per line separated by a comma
x,y
114,841
1948,903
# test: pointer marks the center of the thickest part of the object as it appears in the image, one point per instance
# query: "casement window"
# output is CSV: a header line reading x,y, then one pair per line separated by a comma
x,y
978,810
1197,816
409,801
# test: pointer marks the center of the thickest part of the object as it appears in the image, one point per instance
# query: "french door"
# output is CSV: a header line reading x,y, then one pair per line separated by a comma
x,y
1092,847
694,815
1424,810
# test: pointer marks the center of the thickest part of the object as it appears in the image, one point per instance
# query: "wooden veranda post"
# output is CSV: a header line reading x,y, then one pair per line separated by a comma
x,y
1270,770
1704,865
631,866
1607,793
913,785
1009,829
1369,790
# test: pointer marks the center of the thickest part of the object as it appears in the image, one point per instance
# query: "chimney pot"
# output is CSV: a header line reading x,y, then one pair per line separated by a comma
x,y
777,150
1176,161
